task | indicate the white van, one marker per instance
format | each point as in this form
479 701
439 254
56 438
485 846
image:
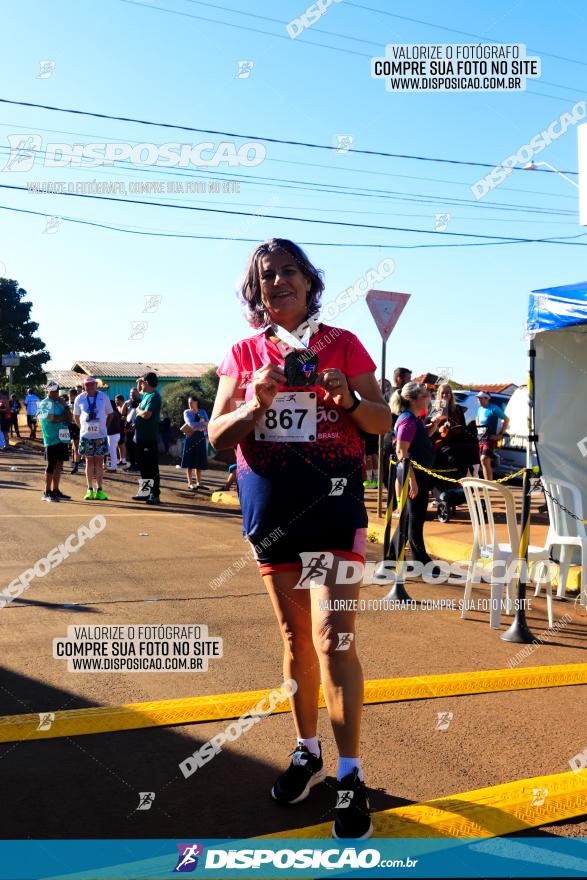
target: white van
468 400
512 452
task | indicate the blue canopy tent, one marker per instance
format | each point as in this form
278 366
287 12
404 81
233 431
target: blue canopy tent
557 319
557 417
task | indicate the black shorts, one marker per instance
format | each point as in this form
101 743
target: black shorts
31 421
54 453
371 444
73 431
282 552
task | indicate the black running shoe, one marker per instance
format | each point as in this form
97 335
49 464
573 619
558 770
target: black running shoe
352 809
304 771
57 493
153 499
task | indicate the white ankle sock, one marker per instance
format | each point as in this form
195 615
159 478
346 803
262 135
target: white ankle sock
311 744
347 765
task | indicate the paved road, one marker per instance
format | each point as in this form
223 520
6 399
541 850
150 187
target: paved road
154 566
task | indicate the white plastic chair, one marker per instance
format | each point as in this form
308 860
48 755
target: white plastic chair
479 495
565 531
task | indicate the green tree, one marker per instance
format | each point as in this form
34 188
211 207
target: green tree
209 386
17 336
175 397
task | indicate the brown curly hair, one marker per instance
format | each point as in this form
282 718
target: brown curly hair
250 290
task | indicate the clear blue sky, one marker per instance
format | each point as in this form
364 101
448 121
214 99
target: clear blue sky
468 303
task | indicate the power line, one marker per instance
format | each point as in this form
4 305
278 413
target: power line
320 30
462 33
371 213
340 167
242 27
122 165
292 219
269 140
563 240
358 192
279 21
325 46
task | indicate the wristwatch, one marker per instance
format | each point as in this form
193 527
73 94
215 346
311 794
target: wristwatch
355 403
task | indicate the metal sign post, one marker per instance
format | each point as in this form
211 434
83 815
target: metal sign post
519 631
386 306
9 361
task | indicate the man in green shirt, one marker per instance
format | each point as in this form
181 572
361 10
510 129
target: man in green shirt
55 418
146 438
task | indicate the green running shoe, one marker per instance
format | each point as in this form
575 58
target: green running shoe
89 496
101 495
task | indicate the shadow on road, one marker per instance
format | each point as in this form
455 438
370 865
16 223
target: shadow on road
88 786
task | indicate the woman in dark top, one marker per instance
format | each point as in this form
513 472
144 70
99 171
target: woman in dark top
114 428
413 441
456 446
15 408
446 405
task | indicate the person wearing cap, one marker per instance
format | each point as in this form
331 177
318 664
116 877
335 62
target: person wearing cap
129 417
146 437
55 418
488 416
92 410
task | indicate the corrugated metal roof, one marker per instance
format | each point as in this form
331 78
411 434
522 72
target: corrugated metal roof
130 369
503 387
65 378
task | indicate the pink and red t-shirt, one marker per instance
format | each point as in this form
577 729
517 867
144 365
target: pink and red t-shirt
308 486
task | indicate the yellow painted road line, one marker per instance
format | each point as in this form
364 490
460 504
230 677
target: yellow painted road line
221 707
483 812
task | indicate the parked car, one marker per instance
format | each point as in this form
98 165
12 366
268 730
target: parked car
510 456
468 400
513 449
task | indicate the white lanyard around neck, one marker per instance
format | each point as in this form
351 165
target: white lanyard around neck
300 338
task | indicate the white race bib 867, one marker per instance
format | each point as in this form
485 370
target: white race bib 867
290 419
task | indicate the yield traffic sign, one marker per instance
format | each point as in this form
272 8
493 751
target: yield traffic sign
386 307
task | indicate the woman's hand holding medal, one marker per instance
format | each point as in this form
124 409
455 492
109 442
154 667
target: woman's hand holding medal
266 383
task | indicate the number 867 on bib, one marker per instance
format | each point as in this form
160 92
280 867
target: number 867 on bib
290 419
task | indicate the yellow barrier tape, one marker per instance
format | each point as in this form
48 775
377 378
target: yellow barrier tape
221 707
483 812
440 475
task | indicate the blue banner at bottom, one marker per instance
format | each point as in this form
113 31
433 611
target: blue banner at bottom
290 858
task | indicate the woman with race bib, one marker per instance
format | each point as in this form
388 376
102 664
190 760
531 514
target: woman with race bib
292 398
92 411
